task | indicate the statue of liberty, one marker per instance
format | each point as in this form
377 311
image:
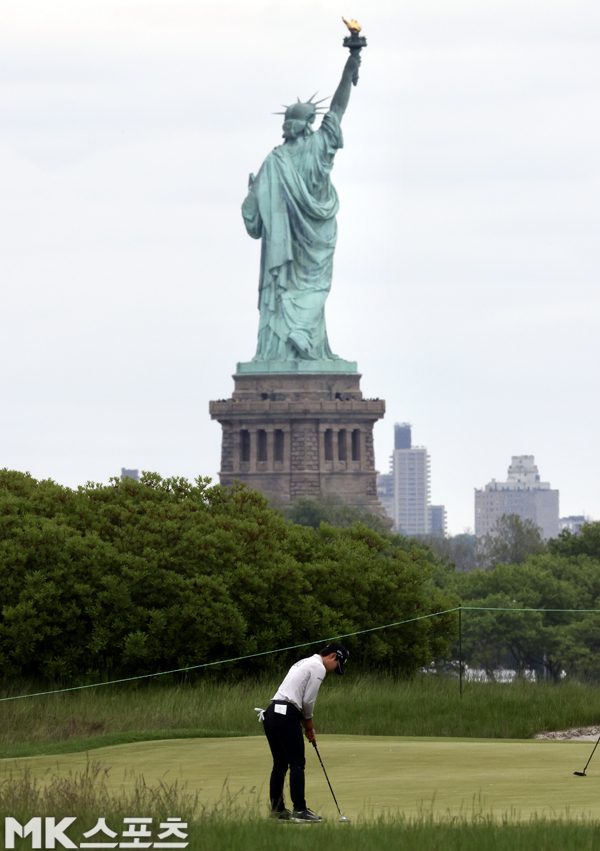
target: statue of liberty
291 206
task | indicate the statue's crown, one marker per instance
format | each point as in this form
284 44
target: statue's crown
303 110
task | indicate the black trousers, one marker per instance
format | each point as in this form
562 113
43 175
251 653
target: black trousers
286 740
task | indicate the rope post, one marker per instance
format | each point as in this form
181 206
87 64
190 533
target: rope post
460 649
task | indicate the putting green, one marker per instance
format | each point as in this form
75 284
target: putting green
370 775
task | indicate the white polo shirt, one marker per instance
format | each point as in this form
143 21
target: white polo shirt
302 683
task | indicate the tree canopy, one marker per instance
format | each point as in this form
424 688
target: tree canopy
334 512
510 542
500 632
458 550
140 577
585 542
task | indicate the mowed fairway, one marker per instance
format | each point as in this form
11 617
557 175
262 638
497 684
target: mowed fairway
371 775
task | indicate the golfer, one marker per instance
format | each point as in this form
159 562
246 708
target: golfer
290 710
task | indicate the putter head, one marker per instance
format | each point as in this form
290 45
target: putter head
344 820
580 773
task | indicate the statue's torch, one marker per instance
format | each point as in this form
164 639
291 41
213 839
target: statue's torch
354 41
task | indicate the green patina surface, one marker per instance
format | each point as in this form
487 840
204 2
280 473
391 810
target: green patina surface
294 367
291 206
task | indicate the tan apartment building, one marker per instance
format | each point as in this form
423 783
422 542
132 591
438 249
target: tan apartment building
523 494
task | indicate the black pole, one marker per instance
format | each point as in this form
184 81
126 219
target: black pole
314 744
582 773
460 648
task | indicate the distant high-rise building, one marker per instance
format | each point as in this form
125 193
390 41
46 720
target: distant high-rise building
385 492
130 474
572 523
523 494
404 491
410 469
402 436
437 520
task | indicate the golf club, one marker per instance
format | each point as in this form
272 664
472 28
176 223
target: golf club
342 817
581 773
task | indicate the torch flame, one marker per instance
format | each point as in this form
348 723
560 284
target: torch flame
352 25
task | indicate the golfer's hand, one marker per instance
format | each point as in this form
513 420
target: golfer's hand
309 730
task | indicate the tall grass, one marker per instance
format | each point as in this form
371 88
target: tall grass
359 705
229 827
395 834
85 795
432 706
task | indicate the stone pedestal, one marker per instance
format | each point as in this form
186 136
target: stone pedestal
301 434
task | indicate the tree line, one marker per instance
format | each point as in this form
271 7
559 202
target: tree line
133 578
520 571
507 572
136 578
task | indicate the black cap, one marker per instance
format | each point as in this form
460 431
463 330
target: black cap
342 654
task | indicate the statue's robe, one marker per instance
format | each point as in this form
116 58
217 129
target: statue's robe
291 206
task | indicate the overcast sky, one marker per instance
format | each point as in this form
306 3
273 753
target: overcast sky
466 273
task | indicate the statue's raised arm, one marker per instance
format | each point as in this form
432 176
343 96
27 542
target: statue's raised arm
339 101
355 43
291 207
